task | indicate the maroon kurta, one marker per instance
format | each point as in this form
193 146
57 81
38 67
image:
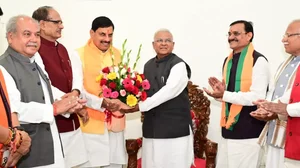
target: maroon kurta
58 66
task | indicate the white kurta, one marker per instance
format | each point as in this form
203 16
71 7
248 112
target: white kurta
103 149
171 152
34 112
258 89
73 142
275 155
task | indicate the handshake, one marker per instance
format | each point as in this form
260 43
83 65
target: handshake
114 105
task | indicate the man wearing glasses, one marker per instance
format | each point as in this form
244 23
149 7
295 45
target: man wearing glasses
283 132
245 79
167 133
54 58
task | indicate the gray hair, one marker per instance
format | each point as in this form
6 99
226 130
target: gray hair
11 26
162 30
41 13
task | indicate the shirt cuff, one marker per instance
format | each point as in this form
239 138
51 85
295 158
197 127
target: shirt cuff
226 96
143 106
48 114
293 109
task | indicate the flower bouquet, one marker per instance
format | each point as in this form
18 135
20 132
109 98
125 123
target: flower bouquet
123 82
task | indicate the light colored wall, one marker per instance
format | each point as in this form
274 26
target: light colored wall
199 28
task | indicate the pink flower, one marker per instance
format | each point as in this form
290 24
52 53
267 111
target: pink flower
106 92
146 84
114 95
127 81
139 94
122 92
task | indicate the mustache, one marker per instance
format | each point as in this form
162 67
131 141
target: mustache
108 42
230 40
31 44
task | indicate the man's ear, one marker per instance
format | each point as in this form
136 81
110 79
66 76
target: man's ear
249 35
9 37
92 33
42 24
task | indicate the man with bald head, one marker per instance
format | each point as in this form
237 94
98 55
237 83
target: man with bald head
167 133
32 94
54 57
282 134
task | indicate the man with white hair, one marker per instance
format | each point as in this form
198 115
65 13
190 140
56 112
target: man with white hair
283 133
32 94
167 134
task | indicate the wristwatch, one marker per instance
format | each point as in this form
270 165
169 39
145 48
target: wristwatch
20 128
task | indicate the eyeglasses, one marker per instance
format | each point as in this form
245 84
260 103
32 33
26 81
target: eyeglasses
57 22
235 33
163 40
287 35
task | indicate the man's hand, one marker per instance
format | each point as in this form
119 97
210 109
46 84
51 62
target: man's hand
278 108
259 102
111 104
83 114
217 86
263 115
74 93
68 104
24 148
127 109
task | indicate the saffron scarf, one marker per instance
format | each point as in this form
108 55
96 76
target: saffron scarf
93 60
243 81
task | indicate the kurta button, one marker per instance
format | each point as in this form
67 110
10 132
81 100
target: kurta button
48 128
43 97
33 69
297 84
39 83
155 77
62 61
153 90
65 70
290 133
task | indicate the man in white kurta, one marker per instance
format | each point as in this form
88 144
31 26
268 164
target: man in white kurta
274 132
21 52
167 133
54 58
105 148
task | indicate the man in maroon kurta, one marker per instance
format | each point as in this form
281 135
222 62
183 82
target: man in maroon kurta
57 64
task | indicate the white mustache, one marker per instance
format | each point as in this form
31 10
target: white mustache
32 45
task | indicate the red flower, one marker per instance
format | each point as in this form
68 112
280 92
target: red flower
129 88
135 91
138 84
112 85
105 70
142 76
103 82
144 96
